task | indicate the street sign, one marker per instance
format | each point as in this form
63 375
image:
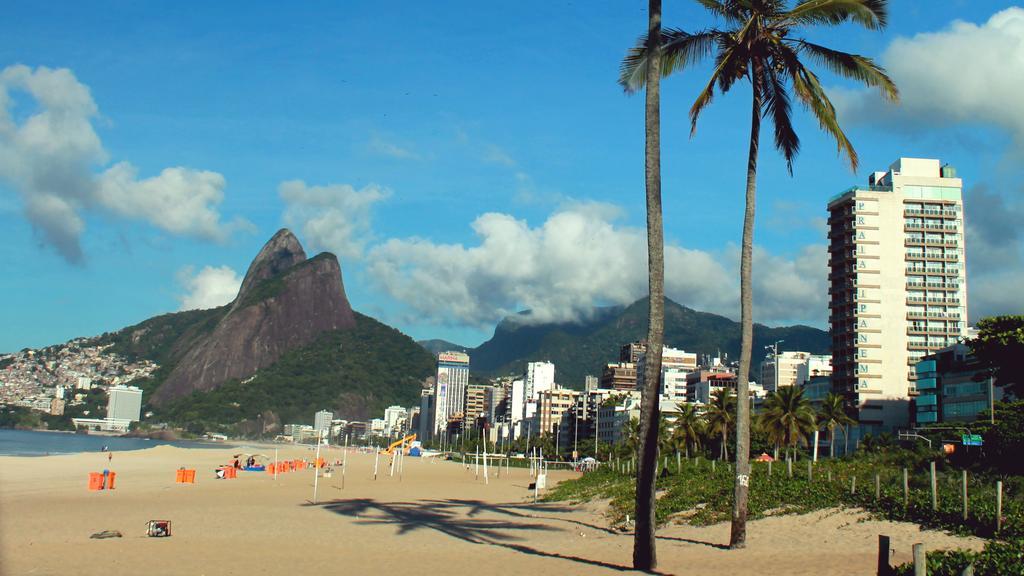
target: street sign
971 439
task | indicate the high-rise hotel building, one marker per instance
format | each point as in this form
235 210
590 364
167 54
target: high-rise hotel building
450 389
897 279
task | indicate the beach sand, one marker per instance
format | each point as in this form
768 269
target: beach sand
438 519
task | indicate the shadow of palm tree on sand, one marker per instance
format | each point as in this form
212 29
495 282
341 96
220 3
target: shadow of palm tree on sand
506 525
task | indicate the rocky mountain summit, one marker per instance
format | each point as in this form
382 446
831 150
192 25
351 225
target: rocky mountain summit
285 302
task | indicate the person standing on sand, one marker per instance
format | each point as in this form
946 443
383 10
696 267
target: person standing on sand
110 456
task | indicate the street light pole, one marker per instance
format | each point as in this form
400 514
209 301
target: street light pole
991 400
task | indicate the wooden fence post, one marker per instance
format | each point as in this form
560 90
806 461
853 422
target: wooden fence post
906 489
965 494
935 489
884 556
810 474
878 487
789 467
853 485
920 561
999 505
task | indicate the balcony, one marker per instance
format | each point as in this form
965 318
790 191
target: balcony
933 271
930 242
930 212
923 226
933 315
940 301
948 331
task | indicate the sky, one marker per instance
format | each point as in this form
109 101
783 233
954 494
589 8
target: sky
464 160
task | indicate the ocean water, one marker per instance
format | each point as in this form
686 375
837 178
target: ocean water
33 443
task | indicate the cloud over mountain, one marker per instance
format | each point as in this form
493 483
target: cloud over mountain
209 288
334 217
50 153
577 259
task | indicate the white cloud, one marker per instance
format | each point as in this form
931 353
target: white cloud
335 217
50 156
381 146
574 261
179 200
496 155
966 73
210 288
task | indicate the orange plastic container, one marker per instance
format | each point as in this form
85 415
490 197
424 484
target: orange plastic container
185 476
95 481
110 480
270 468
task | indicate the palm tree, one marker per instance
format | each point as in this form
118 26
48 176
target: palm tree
689 427
759 46
720 416
644 553
833 414
787 417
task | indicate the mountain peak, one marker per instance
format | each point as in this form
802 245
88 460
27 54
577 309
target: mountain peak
286 302
280 253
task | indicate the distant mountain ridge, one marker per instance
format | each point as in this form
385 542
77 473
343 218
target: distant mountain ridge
436 346
579 349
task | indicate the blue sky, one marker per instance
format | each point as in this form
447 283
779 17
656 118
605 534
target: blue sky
464 160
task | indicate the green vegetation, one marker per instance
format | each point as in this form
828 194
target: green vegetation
158 339
355 372
700 492
997 559
1000 346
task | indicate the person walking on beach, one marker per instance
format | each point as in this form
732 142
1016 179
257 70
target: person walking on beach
110 456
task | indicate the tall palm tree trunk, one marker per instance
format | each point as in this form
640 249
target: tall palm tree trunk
832 443
644 552
738 534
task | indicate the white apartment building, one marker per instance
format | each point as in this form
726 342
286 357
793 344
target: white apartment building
395 417
450 388
792 368
322 421
124 403
675 365
611 421
897 283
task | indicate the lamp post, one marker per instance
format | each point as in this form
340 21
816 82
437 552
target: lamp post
775 359
991 400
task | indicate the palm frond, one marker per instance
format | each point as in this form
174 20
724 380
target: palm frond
730 64
729 10
872 14
679 50
808 88
776 105
851 66
823 110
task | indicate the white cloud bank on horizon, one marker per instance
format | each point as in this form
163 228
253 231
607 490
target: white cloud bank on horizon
209 288
576 260
335 217
50 156
967 73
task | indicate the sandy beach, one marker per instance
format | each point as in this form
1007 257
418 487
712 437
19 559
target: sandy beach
437 517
